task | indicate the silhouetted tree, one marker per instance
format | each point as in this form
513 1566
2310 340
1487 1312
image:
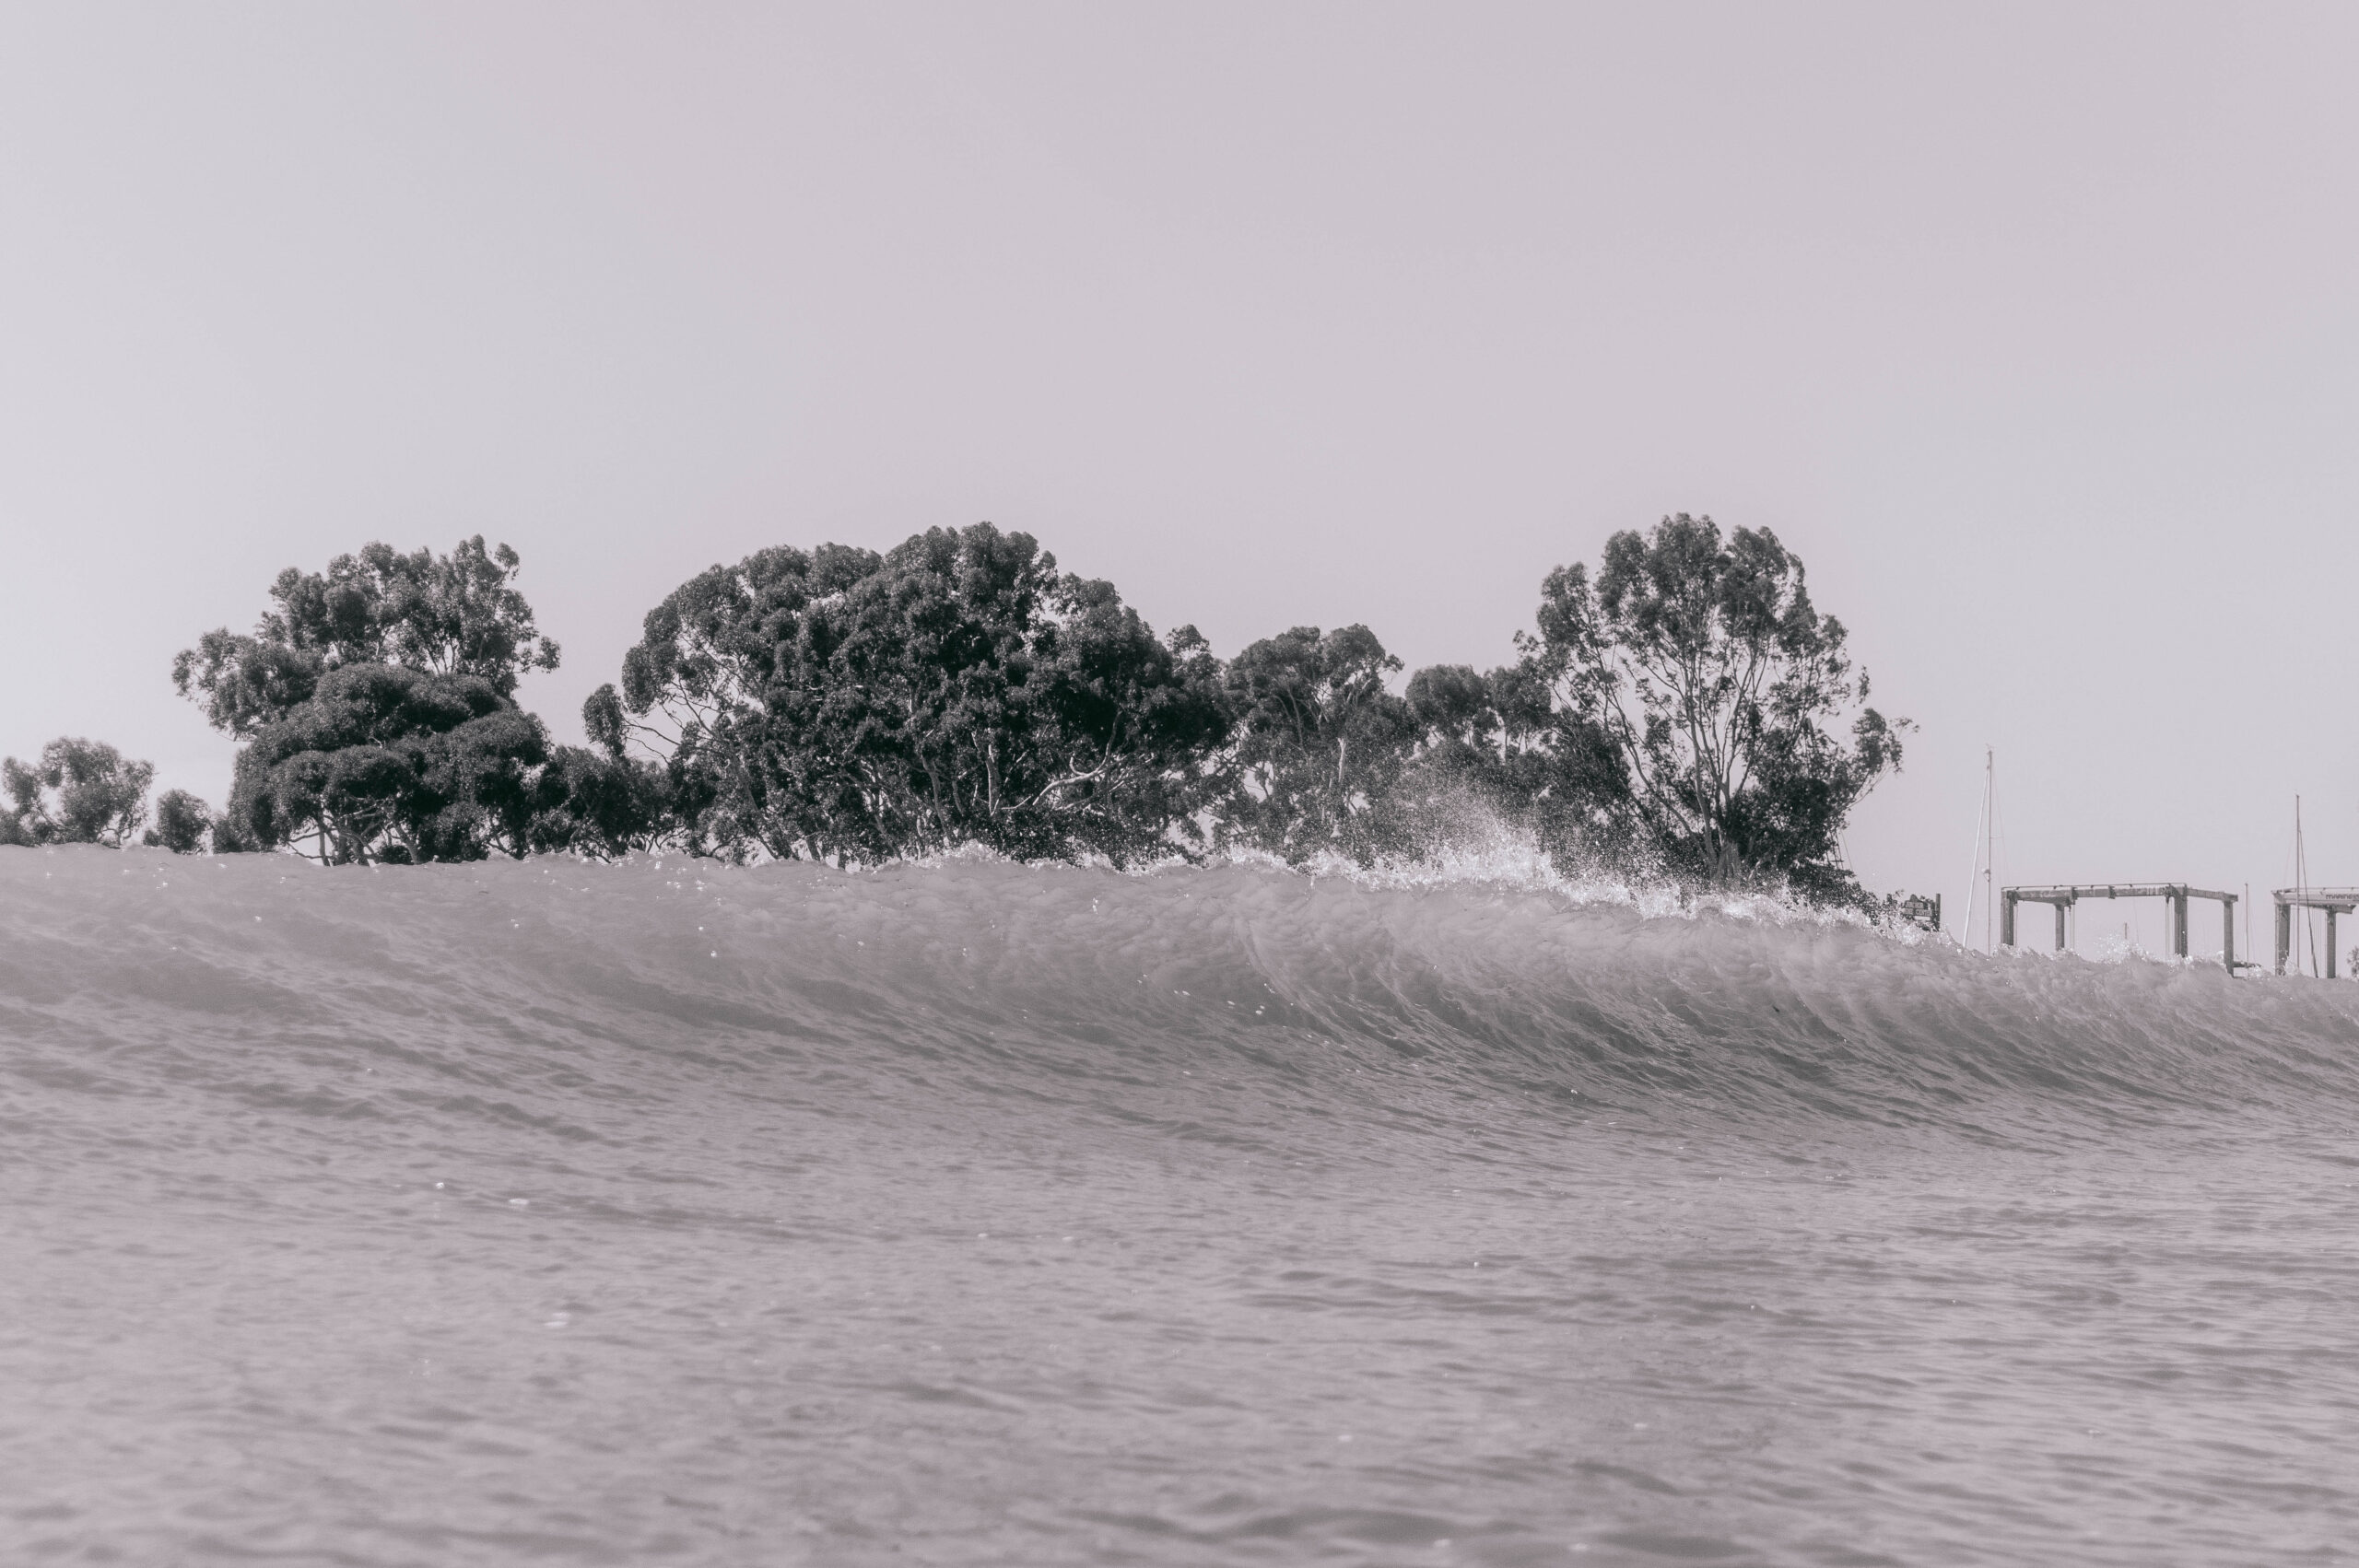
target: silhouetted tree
376 703
183 822
455 615
1492 744
842 705
80 791
1320 746
601 803
389 764
1716 685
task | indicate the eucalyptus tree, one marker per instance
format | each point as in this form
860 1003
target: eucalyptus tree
77 791
457 614
1723 692
1320 743
601 802
376 700
844 706
1493 745
184 823
386 763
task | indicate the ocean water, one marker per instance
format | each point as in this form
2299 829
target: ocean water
563 1213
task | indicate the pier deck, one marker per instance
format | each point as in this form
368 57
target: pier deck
2063 896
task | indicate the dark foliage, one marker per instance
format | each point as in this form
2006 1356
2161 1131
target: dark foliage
376 700
1494 747
1319 747
455 615
389 764
183 822
852 708
230 837
1716 684
1682 710
80 791
600 803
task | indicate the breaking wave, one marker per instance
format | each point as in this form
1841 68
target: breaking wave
1471 978
558 1211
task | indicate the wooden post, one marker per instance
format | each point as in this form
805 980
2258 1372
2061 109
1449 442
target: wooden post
2228 934
2060 925
2178 924
2007 919
2284 933
2329 942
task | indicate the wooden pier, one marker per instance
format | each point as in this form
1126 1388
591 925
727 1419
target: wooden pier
2179 893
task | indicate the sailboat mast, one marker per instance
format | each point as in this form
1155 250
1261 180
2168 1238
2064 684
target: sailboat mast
1974 870
2302 884
1990 841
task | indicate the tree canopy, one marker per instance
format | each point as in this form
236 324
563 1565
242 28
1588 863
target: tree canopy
848 707
376 702
1687 708
1496 746
455 615
1718 686
78 791
184 823
1320 743
1682 710
385 762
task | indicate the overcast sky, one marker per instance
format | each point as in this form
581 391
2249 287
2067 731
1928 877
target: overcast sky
2034 331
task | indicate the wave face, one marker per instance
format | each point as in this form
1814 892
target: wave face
967 1212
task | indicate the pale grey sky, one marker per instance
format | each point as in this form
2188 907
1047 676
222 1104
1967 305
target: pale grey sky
2035 330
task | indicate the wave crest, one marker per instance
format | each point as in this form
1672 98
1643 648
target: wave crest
1481 997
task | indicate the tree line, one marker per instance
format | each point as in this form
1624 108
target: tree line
1685 708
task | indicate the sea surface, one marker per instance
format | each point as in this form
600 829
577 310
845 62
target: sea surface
554 1213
